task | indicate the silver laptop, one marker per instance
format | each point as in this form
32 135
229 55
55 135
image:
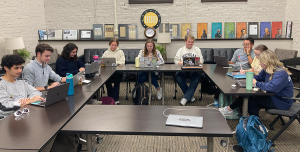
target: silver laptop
185 121
77 78
94 67
108 61
54 95
222 61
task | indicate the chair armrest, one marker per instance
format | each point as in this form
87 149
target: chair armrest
291 61
296 88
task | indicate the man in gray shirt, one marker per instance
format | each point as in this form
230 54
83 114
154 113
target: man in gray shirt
243 58
15 93
38 72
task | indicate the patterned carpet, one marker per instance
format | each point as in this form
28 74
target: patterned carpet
287 142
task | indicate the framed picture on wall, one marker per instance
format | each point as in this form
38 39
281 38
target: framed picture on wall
289 25
98 31
43 35
85 34
175 30
123 31
202 30
185 29
253 29
109 31
54 34
69 34
132 31
164 28
216 30
229 30
241 30
276 29
265 31
149 1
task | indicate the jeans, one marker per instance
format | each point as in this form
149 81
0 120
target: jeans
255 103
114 92
188 90
145 75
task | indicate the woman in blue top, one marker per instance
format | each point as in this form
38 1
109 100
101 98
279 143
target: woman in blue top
68 62
150 51
273 78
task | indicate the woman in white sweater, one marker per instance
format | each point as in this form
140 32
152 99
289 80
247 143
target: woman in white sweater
114 51
150 51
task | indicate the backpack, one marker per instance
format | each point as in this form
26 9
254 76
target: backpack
107 101
140 94
207 86
252 135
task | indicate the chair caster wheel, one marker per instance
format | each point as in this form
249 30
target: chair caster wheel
94 149
174 97
99 140
223 143
129 91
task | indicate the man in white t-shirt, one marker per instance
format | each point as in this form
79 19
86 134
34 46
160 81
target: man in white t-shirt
189 50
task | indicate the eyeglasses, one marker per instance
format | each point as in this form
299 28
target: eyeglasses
245 44
21 112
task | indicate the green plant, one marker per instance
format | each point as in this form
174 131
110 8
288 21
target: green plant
24 53
160 49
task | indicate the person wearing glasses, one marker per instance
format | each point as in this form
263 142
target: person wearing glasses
243 58
256 68
68 62
15 93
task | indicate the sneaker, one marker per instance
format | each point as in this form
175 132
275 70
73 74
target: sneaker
226 112
117 102
159 94
183 101
193 99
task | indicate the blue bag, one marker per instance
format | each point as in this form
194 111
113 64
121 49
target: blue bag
252 135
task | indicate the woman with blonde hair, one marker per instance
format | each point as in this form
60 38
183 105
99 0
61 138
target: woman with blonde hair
255 67
150 51
273 78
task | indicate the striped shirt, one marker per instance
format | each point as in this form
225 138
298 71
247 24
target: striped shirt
37 75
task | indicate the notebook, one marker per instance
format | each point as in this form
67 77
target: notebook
237 75
54 95
148 62
185 121
108 61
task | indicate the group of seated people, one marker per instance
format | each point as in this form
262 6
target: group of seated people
270 75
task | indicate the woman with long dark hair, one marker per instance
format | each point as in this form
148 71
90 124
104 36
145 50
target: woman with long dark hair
68 62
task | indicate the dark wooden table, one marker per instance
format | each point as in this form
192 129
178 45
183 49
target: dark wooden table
218 75
162 68
145 120
36 129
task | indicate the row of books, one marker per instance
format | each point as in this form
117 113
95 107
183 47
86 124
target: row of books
99 31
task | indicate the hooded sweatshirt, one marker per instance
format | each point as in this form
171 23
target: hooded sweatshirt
118 54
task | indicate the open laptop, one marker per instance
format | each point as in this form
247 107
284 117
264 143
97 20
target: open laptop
222 61
242 84
108 61
185 121
77 78
148 62
54 95
191 61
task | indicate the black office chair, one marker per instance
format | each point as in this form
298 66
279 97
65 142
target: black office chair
293 113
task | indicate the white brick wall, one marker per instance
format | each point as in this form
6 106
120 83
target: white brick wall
21 18
82 14
292 14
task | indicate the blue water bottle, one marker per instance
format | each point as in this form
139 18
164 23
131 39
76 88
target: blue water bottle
69 79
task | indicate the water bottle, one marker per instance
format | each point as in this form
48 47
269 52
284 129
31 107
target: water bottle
69 78
216 103
95 57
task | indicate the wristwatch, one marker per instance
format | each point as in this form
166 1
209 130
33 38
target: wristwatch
46 88
248 54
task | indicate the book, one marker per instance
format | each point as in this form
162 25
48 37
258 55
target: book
237 75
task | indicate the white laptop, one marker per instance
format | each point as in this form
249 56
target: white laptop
108 61
185 121
77 78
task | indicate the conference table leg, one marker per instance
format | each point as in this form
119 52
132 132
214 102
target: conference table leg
163 87
245 106
149 88
89 142
210 144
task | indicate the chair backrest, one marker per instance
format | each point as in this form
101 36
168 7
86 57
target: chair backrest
227 52
285 54
89 53
208 55
130 55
